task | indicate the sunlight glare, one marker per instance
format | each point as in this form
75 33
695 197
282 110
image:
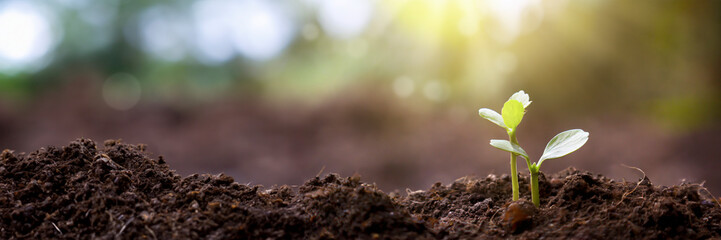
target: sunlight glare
510 15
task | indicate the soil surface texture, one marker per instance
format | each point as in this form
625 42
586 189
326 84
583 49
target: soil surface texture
115 191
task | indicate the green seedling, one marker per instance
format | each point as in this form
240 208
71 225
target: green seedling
561 145
509 119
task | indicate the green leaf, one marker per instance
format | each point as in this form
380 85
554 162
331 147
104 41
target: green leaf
521 97
563 144
512 114
507 146
492 116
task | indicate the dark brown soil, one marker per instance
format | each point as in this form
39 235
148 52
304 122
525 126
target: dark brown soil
117 192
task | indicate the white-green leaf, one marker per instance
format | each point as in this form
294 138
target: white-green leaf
563 144
492 116
507 146
512 113
521 97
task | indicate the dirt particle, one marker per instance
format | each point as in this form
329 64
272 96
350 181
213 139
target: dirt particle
146 216
482 206
193 194
213 206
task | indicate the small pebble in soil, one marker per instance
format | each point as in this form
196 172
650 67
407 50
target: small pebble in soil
518 216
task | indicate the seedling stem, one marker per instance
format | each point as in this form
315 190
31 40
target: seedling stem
535 195
514 171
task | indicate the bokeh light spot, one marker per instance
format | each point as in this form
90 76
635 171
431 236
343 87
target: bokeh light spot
435 91
25 35
261 30
344 19
121 91
403 86
213 31
162 33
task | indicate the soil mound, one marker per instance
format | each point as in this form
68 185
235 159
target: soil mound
82 191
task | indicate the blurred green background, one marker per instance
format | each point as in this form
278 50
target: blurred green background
272 92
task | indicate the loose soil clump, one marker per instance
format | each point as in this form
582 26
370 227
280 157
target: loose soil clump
116 191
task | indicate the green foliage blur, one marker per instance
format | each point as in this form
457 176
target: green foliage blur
658 59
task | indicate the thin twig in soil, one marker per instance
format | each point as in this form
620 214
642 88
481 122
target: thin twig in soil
124 226
151 232
494 214
709 193
321 171
57 228
110 216
637 184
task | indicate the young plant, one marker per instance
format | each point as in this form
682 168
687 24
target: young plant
561 145
509 119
